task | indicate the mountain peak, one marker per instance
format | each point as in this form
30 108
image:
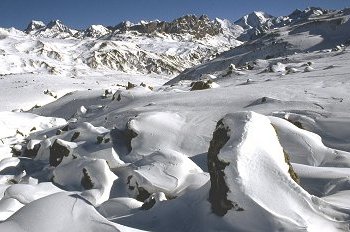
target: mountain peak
253 20
310 11
56 24
34 25
96 31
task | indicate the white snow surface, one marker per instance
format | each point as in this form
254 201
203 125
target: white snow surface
107 155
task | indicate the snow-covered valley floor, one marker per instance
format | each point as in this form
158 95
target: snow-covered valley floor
156 142
261 146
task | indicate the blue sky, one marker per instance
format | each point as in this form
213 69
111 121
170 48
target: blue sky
82 13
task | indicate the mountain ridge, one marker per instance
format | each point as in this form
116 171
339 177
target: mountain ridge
146 47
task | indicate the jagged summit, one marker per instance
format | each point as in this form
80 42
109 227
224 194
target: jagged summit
54 29
96 31
308 12
57 24
34 25
198 26
169 47
253 20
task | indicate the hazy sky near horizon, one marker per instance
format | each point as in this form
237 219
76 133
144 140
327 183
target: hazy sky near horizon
80 14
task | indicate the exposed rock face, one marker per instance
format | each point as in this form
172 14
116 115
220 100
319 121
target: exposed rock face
129 134
75 136
32 152
34 25
57 152
153 199
308 12
86 181
291 171
218 191
200 85
54 29
191 24
241 139
253 20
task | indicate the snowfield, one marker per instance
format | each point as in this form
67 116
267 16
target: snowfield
253 138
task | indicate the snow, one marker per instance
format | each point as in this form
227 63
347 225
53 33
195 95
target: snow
259 172
108 155
253 20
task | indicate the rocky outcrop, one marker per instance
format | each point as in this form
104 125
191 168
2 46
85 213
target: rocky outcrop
57 152
244 149
200 85
218 191
54 29
34 25
188 24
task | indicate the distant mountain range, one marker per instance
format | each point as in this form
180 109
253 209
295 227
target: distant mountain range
158 47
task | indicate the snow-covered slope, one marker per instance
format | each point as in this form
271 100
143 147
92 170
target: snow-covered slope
148 47
315 33
225 146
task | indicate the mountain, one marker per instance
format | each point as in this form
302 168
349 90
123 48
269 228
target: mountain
199 27
253 20
146 47
94 31
34 26
307 13
307 33
54 29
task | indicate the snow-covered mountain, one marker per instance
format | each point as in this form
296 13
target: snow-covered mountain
254 139
146 47
314 32
158 47
253 20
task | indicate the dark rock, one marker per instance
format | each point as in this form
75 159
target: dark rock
86 181
199 27
31 153
15 152
34 25
143 194
65 128
218 190
200 85
130 85
298 124
75 136
99 139
129 134
57 152
291 171
148 204
20 133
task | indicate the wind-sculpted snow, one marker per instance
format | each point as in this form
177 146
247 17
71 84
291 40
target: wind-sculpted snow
256 139
258 182
90 176
58 212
